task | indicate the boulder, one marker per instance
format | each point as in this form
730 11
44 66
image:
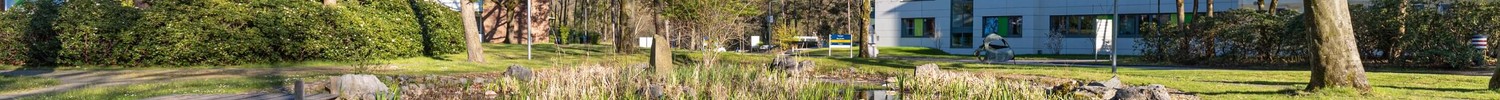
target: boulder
654 92
520 73
356 87
1111 83
1153 92
1098 92
782 62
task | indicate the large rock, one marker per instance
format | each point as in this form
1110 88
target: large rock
791 65
1152 92
520 73
1097 92
356 87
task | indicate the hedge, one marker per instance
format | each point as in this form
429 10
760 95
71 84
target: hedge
224 32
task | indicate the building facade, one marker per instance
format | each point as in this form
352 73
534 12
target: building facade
958 26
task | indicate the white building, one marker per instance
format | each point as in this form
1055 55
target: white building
957 26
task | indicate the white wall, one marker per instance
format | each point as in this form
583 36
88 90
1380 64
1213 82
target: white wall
1035 16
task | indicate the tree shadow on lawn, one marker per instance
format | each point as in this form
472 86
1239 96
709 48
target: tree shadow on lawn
1277 92
1275 83
880 62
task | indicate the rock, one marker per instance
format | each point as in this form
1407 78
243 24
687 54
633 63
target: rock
356 87
1153 92
1099 92
652 91
518 72
1111 83
782 62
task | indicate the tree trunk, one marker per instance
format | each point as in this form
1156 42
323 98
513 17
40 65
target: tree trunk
1495 80
623 43
1181 13
864 31
1260 4
661 50
1210 8
471 31
336 2
1337 57
1195 7
1273 8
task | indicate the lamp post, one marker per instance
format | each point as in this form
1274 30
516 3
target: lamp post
1113 60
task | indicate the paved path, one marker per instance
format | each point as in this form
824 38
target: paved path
78 79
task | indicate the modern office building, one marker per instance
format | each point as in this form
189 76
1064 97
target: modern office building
958 26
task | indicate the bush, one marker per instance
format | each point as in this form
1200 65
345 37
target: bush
1244 37
224 32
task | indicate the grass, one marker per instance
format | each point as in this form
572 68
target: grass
20 83
1206 83
153 89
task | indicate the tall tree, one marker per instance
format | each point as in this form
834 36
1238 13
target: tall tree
623 43
864 31
1337 57
471 31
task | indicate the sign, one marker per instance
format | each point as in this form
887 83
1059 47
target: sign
840 41
1104 35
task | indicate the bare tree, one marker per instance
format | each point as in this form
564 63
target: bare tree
1337 57
471 31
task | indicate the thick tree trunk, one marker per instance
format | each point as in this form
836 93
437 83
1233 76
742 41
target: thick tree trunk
623 43
471 31
1495 80
1337 58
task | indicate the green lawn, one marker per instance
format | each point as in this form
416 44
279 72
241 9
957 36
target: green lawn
1206 83
19 83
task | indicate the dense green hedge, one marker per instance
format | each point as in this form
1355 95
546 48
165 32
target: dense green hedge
1246 37
221 32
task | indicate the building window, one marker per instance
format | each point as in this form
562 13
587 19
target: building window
961 40
916 27
1003 26
1077 25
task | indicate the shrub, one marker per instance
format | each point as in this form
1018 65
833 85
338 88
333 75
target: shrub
224 32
